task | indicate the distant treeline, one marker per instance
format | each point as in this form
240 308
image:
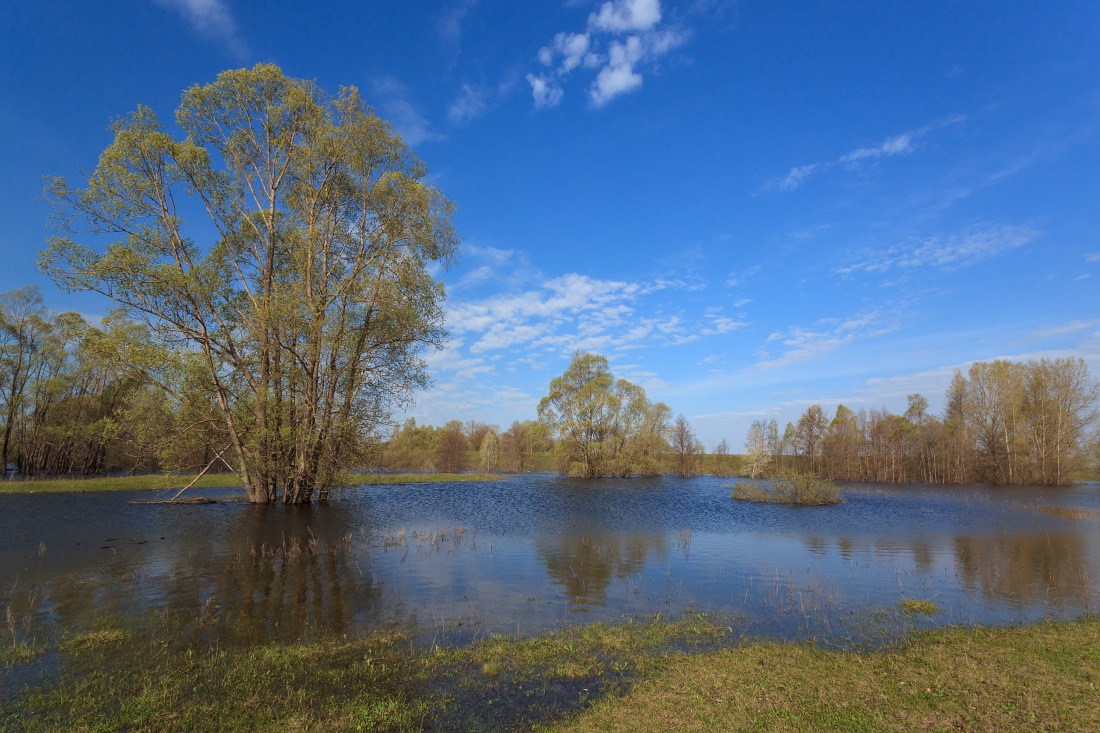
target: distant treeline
1004 423
458 446
72 406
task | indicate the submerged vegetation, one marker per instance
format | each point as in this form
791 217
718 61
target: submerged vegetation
918 605
695 673
790 488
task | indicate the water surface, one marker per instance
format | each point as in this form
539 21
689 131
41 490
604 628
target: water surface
460 560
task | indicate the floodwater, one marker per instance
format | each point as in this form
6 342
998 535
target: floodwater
456 561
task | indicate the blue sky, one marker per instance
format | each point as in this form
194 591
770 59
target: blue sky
747 207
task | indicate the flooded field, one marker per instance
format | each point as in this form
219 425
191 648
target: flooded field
460 561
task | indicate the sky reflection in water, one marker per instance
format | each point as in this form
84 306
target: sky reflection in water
460 560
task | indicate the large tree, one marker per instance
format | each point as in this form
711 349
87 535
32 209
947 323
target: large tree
294 315
605 427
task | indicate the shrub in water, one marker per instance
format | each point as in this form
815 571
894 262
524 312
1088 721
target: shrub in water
792 488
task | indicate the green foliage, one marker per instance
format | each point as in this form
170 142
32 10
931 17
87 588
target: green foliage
604 427
300 325
790 488
916 605
489 453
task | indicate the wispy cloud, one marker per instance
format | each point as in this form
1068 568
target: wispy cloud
901 144
449 24
622 39
802 344
403 114
573 311
211 19
474 100
503 267
969 247
739 278
1064 328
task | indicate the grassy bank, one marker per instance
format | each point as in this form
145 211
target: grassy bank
640 675
169 482
1040 677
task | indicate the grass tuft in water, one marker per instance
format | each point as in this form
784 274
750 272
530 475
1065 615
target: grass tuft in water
102 638
915 605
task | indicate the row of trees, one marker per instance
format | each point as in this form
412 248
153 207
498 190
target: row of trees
1004 423
70 404
449 448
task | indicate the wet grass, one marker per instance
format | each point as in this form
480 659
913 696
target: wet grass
1040 677
117 483
115 680
916 605
690 673
165 482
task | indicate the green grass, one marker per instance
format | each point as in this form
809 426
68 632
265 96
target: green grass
164 482
1040 677
117 483
111 680
914 605
688 674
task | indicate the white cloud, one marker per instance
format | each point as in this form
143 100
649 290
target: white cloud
575 311
545 90
211 18
897 145
636 41
1092 257
719 324
621 16
902 144
947 251
573 48
618 77
795 178
1063 329
803 344
450 359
